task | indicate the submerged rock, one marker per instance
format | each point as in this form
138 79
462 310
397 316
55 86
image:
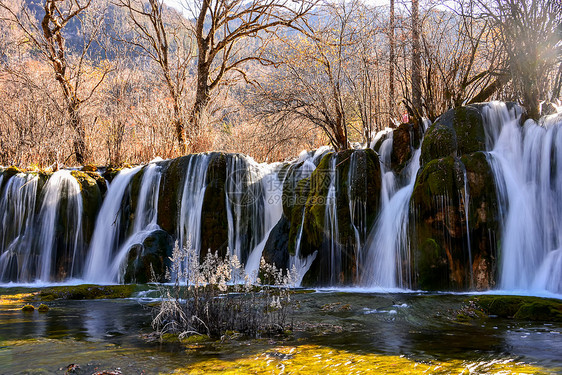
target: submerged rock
28 308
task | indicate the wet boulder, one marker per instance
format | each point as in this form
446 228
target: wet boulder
91 201
171 185
457 132
152 255
455 229
214 216
276 250
337 204
401 147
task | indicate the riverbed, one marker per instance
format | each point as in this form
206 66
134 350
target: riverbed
333 331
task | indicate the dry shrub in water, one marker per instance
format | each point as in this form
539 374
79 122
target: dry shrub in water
217 296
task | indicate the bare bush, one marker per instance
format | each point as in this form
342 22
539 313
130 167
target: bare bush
216 296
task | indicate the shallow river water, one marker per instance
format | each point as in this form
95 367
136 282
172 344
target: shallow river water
334 332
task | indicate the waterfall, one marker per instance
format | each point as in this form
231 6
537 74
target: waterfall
357 213
296 262
527 164
388 242
17 216
107 232
47 222
331 225
272 195
62 201
193 193
253 203
144 224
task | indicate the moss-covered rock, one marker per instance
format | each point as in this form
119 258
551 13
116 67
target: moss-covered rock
7 174
91 201
432 265
291 175
86 291
455 210
89 168
440 141
110 173
149 258
522 308
28 308
276 250
102 183
43 308
354 203
457 132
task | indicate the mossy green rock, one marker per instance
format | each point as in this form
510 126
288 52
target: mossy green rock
441 212
91 201
457 132
7 174
89 168
43 308
432 265
522 308
110 173
291 175
28 308
355 175
440 141
86 291
171 189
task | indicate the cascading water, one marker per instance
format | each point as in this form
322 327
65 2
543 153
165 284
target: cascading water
61 201
272 191
194 187
144 224
107 234
388 242
253 205
42 224
17 210
331 225
297 263
527 164
357 213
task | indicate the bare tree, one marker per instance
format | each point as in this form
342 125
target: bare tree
330 76
162 34
416 58
48 36
220 28
392 59
530 35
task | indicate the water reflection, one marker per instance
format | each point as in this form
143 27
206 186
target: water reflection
415 326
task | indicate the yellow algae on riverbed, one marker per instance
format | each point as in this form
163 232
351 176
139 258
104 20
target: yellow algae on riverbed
312 359
16 300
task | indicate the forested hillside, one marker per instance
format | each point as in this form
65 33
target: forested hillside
112 82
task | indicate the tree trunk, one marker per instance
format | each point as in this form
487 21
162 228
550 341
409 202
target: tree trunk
392 61
79 133
180 127
416 58
199 107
